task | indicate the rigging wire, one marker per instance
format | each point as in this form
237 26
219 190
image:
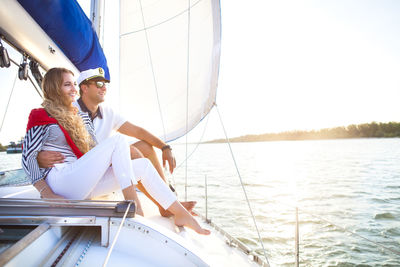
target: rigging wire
187 95
152 70
34 86
241 183
8 103
18 65
197 145
103 19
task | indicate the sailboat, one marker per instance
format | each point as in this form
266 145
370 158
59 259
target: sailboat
14 148
182 37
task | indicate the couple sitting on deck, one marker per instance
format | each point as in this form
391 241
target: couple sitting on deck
68 150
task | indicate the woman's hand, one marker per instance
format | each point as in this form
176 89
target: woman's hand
45 190
50 195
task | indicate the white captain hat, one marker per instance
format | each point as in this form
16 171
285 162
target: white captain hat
90 74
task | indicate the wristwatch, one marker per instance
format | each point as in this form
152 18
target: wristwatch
166 147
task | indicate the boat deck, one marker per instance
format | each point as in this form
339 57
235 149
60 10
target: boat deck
151 240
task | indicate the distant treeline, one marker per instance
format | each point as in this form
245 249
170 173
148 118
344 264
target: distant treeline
2 148
366 130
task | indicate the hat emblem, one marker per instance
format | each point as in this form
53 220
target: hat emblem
101 71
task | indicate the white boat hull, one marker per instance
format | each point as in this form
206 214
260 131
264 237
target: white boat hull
143 241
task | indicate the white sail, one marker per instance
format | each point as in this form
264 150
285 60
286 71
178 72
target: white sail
169 58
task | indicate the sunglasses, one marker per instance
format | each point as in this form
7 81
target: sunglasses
99 84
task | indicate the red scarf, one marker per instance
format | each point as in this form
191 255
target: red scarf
39 116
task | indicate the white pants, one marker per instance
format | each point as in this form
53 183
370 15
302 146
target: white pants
91 175
147 174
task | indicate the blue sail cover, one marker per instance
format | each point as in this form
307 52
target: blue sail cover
68 26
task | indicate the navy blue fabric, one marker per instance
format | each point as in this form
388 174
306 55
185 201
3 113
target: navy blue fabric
67 25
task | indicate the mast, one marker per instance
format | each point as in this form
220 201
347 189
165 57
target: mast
96 17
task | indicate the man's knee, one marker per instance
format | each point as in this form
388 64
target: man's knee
135 153
145 148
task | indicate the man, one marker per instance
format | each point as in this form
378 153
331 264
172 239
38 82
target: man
92 88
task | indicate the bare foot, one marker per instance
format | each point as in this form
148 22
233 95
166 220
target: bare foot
188 221
188 205
139 211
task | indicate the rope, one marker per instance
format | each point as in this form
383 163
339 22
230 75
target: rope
241 183
12 90
85 250
152 70
59 257
9 98
116 235
30 79
187 95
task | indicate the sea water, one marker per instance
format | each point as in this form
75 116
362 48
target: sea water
347 193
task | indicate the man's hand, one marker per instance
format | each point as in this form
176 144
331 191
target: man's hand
47 159
168 156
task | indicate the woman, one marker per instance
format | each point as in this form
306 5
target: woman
86 170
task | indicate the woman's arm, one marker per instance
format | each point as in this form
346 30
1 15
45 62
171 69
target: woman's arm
33 143
45 190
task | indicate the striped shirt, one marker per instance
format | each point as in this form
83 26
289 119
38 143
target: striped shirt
48 137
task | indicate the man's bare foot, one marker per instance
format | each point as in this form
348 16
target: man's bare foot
188 221
183 218
188 205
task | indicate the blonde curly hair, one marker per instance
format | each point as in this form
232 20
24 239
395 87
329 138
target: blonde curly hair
57 105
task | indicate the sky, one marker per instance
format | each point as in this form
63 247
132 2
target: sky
308 64
285 65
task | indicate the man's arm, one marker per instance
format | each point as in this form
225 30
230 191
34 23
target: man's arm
142 134
47 159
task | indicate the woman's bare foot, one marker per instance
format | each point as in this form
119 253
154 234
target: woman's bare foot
188 205
130 194
139 209
183 218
